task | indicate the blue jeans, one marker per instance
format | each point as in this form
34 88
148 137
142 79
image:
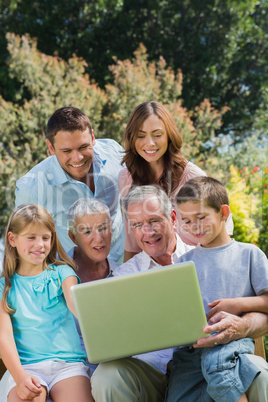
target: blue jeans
222 373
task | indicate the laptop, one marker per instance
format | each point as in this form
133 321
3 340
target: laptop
141 312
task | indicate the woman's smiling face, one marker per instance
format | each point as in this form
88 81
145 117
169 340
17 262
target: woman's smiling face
152 139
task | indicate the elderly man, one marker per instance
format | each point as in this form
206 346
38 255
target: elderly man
80 167
143 377
152 220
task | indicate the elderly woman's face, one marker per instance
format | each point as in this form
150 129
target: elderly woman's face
93 235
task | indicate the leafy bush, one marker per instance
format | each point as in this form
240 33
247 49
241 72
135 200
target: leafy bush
243 206
48 82
256 187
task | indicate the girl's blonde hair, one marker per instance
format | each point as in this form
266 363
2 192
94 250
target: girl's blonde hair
21 217
174 162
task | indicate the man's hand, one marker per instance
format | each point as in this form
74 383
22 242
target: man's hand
227 328
28 387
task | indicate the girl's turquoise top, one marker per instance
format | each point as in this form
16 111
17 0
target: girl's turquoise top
43 326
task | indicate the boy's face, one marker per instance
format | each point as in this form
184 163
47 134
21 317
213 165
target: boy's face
204 223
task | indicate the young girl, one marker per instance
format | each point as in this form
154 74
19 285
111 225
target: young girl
152 145
39 343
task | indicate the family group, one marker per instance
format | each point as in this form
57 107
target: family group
95 209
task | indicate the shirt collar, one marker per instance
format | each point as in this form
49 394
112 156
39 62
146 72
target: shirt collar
98 162
180 249
59 174
112 266
151 263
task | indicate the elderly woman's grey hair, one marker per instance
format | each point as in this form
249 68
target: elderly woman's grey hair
141 194
86 206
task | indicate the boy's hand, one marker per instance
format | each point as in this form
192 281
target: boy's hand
232 306
28 387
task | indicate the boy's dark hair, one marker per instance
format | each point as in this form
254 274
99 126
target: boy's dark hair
204 189
67 119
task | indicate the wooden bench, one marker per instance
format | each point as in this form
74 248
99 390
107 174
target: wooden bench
259 348
2 368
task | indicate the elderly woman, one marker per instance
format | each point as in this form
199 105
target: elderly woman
90 228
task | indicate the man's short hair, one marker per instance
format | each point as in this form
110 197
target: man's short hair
140 194
67 119
86 206
204 189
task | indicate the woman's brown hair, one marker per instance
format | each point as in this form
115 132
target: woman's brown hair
174 162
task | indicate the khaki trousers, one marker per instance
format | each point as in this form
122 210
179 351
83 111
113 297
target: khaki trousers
128 380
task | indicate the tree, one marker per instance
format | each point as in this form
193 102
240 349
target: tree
220 46
61 27
48 82
137 80
243 205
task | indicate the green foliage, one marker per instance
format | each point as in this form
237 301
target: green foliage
48 82
256 180
248 194
243 206
136 81
265 338
139 80
220 46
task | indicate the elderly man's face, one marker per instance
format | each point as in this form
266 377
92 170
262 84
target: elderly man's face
153 231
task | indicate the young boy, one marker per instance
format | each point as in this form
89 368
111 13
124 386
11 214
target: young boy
231 275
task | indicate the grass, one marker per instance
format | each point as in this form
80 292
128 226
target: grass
266 345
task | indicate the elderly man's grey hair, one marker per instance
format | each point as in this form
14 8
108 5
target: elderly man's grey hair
141 194
86 206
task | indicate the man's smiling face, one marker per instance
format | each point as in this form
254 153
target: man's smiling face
74 151
153 231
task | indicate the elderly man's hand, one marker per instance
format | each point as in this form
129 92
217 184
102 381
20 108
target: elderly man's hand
225 327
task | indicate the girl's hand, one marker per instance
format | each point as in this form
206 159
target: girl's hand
28 387
232 306
66 288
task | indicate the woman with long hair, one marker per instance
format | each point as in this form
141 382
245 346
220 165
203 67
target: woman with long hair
152 144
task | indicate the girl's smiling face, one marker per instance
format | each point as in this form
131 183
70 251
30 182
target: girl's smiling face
33 246
152 139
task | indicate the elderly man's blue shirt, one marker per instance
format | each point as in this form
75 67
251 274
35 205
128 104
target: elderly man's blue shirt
47 184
